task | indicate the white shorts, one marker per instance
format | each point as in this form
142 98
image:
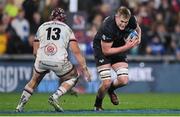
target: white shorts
59 68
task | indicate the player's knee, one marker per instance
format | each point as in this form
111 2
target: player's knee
124 80
106 84
75 73
72 81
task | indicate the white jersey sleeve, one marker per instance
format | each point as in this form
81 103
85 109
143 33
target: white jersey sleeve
72 37
54 37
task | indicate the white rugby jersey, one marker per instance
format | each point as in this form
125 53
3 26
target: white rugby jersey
54 37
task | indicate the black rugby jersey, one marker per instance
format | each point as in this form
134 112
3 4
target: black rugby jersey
109 32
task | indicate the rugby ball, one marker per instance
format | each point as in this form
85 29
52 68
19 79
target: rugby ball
132 35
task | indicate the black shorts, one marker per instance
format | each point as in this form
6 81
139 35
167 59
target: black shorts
101 59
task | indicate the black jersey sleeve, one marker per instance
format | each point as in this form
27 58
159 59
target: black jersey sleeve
107 31
107 35
132 22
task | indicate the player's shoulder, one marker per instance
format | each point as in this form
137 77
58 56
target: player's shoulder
42 25
57 23
108 23
108 20
133 19
132 22
63 25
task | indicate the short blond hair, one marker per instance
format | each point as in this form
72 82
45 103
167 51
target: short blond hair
124 11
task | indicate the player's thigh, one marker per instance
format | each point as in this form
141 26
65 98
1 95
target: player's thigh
36 79
70 78
121 69
100 58
118 65
69 75
103 64
38 74
104 71
41 67
67 71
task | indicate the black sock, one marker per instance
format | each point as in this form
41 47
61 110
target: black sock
111 88
98 102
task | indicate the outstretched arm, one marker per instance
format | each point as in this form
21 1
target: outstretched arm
80 59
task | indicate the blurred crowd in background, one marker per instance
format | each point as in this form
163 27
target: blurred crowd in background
158 19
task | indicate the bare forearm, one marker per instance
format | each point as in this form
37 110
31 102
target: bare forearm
81 61
83 66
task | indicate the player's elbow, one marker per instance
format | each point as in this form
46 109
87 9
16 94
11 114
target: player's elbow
106 53
34 53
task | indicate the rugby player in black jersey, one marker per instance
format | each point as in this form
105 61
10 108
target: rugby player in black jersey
110 50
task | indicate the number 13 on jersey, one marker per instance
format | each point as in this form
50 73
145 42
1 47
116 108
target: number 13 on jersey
55 35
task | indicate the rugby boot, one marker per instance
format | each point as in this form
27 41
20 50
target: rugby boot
98 108
53 102
113 97
19 108
98 104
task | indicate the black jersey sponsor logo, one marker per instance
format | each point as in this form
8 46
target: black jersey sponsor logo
101 60
104 37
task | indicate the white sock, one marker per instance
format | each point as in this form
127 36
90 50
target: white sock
61 90
24 97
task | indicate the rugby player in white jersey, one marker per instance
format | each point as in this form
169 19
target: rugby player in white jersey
50 46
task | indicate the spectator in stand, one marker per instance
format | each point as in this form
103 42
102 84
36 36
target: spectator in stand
164 37
11 9
155 47
97 20
2 3
33 27
21 26
22 29
36 22
3 36
30 7
49 6
13 41
176 39
154 16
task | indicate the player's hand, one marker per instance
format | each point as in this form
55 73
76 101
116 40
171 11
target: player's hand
87 75
136 38
131 43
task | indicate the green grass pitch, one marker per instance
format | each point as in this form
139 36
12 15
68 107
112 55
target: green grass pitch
82 105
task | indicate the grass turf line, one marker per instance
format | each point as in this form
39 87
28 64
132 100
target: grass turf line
143 103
